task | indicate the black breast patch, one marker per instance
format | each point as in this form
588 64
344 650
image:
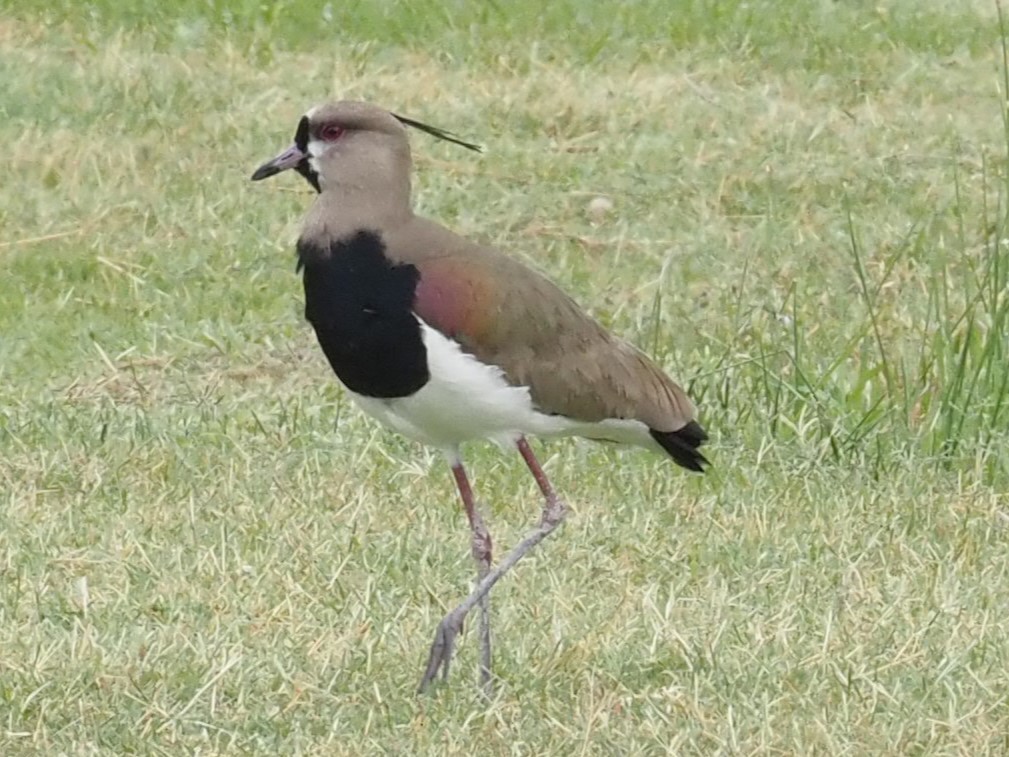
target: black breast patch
361 306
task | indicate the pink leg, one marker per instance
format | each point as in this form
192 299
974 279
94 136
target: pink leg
554 507
554 511
481 547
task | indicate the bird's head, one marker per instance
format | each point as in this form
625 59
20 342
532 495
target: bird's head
353 144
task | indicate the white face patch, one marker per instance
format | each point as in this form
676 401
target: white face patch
316 148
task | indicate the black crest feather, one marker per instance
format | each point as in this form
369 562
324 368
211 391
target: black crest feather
434 131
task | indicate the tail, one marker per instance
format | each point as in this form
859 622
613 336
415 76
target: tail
682 445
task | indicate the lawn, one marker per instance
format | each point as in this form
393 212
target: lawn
205 548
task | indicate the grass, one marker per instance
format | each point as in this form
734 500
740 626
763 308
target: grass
205 547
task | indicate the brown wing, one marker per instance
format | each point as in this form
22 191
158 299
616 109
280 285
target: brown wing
509 315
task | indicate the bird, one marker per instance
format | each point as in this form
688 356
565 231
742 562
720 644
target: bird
449 341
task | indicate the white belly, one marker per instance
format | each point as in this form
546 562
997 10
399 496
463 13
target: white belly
466 399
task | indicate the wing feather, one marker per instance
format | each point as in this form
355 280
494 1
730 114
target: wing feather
509 315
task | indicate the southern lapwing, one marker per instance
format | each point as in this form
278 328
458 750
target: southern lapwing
449 341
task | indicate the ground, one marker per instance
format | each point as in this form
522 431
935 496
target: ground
799 211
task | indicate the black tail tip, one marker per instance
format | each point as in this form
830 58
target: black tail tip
682 445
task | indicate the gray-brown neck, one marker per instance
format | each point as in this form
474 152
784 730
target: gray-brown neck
365 184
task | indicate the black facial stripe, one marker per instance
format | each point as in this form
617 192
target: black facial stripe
301 135
306 170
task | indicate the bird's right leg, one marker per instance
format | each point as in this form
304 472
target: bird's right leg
554 511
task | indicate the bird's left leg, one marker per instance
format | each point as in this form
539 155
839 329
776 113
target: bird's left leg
481 547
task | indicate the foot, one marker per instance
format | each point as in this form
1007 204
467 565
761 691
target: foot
442 647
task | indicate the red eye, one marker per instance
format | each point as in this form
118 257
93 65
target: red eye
331 132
